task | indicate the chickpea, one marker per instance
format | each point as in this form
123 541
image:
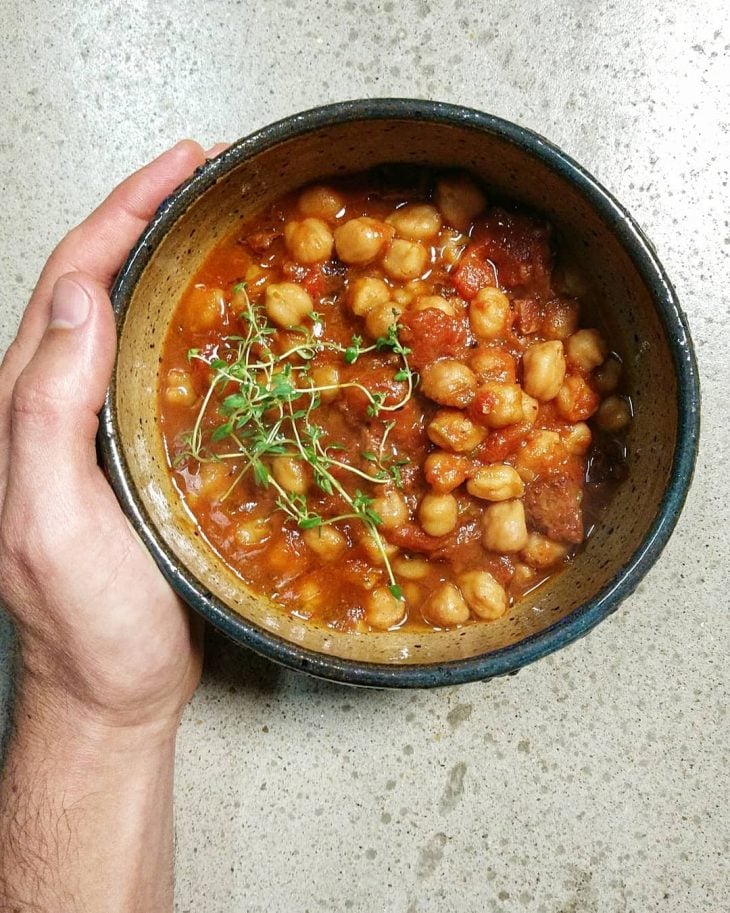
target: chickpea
308 241
561 318
383 610
179 390
498 405
459 200
284 559
498 482
369 543
448 382
310 594
541 451
212 481
530 408
326 542
445 471
415 221
438 514
290 474
576 400
613 414
392 509
414 568
359 241
453 431
366 293
418 288
256 278
369 578
239 298
544 369
494 364
381 318
326 376
405 260
541 552
446 606
586 350
409 292
321 202
204 308
578 439
252 531
606 377
523 576
438 302
504 528
489 314
484 595
452 245
287 304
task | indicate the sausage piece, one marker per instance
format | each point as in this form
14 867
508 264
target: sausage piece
553 506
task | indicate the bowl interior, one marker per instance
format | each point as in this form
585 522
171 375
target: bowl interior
613 288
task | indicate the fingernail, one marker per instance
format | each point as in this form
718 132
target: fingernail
70 305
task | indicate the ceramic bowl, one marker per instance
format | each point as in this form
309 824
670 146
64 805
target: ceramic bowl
637 307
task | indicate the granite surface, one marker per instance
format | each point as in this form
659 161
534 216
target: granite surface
597 780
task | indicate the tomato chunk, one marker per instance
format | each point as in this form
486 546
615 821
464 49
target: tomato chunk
356 405
502 445
261 241
519 247
315 283
475 271
430 335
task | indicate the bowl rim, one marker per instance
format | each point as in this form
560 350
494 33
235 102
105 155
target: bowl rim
506 660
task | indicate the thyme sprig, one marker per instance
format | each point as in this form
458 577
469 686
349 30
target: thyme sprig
268 404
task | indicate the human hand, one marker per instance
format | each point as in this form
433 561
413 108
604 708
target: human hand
99 628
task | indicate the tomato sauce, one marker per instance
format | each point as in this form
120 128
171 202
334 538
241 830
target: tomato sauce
351 418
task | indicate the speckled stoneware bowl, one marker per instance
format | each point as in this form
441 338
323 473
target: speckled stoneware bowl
637 306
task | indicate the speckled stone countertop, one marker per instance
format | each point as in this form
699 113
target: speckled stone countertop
597 780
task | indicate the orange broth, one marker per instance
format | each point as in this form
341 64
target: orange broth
377 437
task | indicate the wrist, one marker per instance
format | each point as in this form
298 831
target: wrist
85 807
106 695
48 712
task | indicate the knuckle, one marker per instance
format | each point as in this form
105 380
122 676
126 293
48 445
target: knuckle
8 544
62 258
35 396
11 356
29 548
15 562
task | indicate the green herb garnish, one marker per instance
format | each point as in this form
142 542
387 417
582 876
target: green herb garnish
268 411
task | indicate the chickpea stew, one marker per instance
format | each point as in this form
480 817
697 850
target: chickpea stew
381 409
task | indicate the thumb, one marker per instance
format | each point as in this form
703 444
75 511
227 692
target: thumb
59 393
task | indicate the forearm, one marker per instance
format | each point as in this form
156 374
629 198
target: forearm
85 813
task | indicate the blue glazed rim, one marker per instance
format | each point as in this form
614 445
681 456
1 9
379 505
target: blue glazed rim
507 659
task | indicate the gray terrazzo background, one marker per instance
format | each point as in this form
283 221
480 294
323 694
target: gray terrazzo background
596 781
